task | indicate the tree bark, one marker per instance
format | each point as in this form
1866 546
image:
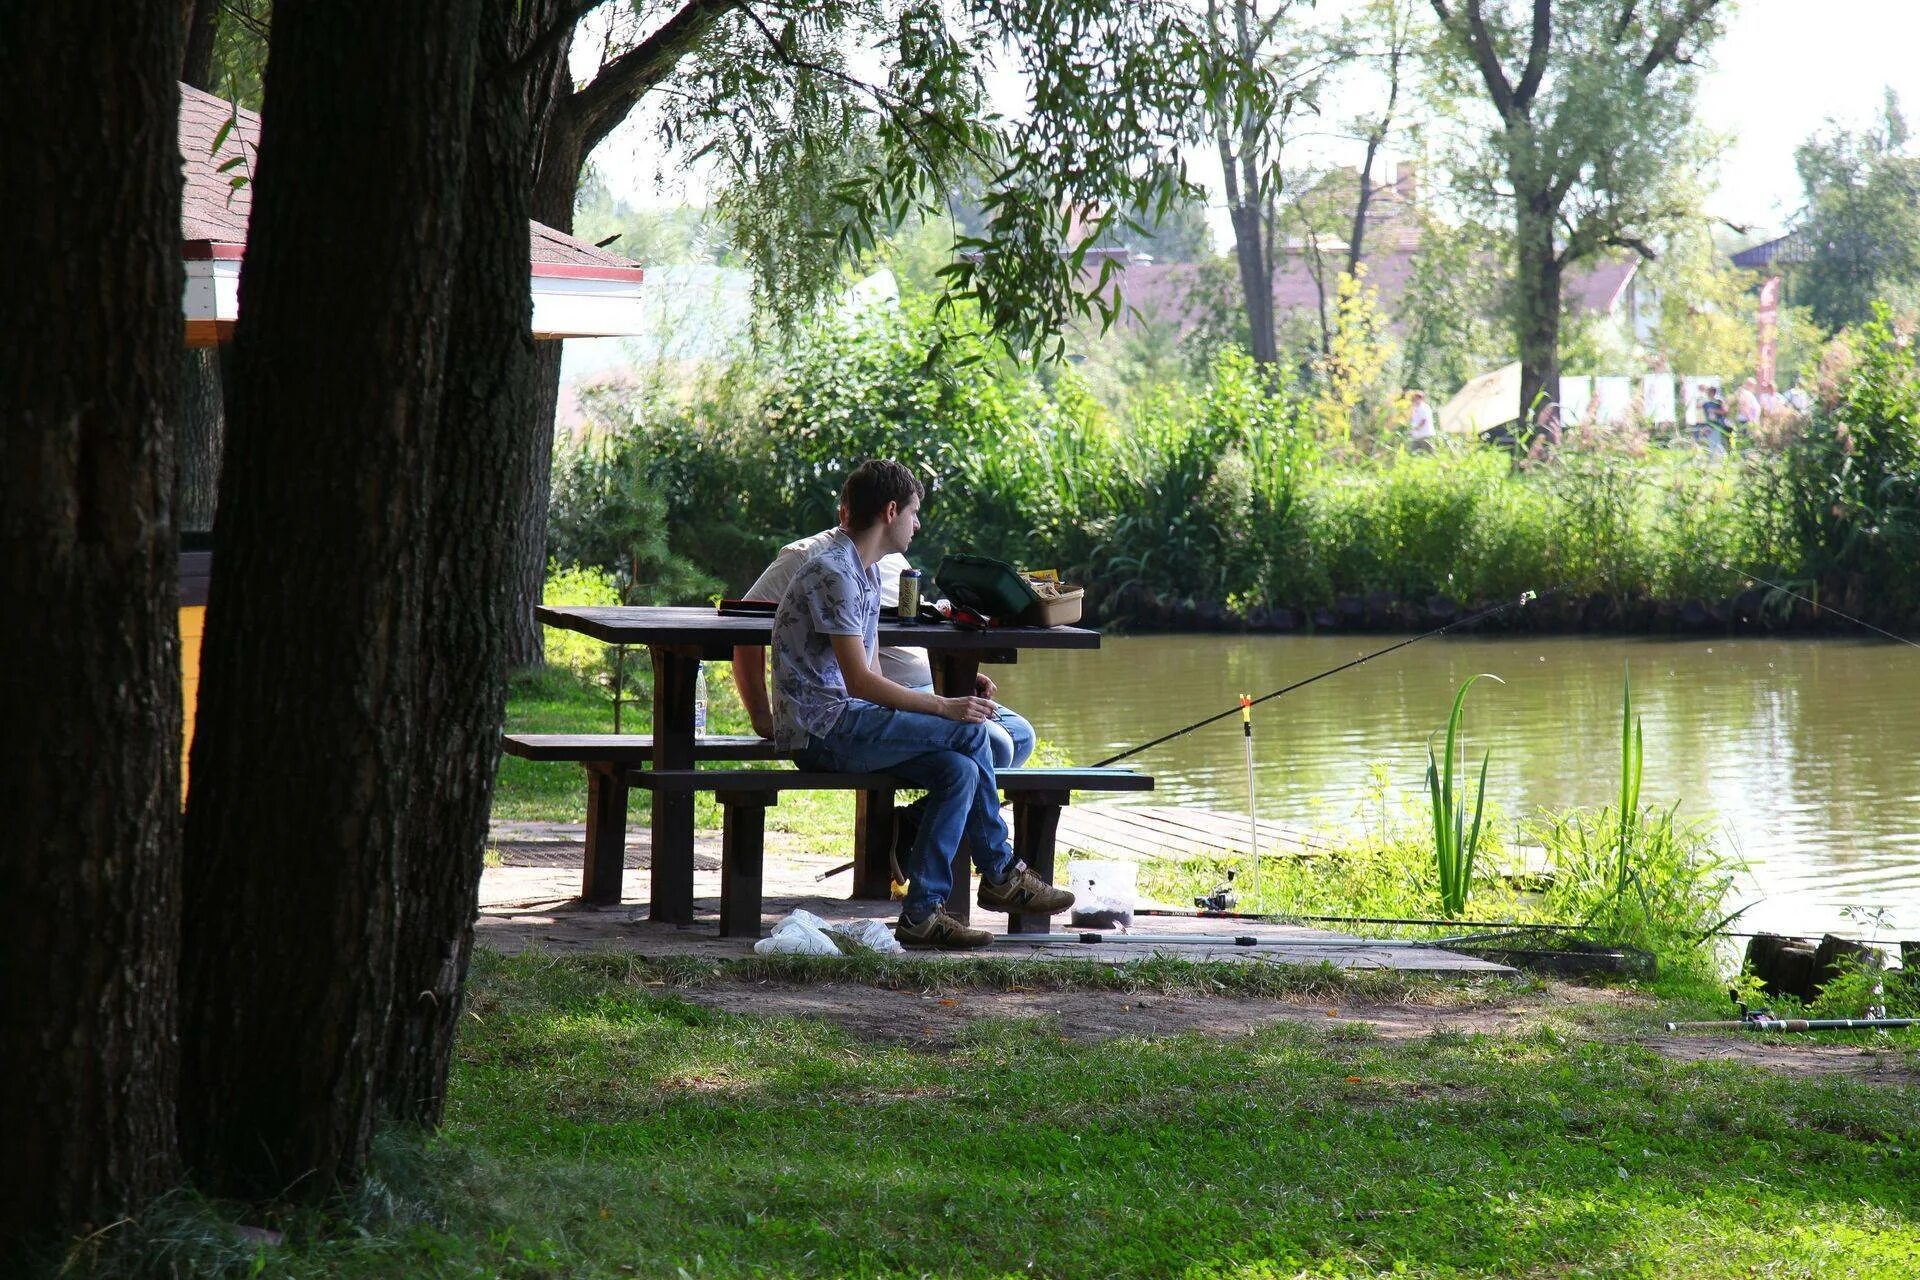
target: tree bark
560 150
199 438
579 121
89 650
474 531
1536 311
203 31
305 733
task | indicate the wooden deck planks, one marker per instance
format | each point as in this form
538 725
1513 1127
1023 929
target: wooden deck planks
1165 831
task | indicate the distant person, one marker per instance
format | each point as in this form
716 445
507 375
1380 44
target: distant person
1798 400
1713 422
1420 430
1746 404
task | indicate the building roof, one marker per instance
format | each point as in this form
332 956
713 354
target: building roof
1167 291
1786 248
579 290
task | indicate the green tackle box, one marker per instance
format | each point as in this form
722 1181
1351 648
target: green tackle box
996 589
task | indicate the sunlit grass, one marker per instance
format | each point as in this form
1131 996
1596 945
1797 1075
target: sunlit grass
603 1127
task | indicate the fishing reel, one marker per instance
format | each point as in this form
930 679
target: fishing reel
1222 898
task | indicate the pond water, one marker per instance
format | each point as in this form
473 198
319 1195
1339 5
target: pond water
1804 754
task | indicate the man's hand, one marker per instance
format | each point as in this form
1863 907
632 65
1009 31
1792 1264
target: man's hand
967 710
984 686
763 724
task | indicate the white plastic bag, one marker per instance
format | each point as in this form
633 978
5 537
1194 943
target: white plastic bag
874 935
798 934
802 933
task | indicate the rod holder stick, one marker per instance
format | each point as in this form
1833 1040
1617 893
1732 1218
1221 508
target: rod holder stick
1253 821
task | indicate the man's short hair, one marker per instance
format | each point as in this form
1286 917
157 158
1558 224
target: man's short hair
873 484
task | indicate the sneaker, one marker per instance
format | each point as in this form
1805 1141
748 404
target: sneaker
939 932
1023 893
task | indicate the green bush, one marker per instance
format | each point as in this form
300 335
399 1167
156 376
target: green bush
1212 488
1854 480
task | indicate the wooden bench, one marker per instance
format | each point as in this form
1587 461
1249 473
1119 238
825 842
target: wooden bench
608 759
1037 796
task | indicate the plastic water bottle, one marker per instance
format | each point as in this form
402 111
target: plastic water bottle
700 697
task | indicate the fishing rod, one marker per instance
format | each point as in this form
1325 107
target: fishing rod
1763 1020
1204 940
1525 598
1785 590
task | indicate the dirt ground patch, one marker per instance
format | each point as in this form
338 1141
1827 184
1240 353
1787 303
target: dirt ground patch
937 1021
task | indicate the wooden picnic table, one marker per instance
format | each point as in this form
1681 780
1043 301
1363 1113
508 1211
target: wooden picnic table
679 639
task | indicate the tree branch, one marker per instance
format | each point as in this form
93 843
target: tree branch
605 101
556 34
1536 54
1480 44
1666 44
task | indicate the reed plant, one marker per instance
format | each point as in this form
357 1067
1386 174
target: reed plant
1455 841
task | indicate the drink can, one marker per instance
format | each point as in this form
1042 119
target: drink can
909 596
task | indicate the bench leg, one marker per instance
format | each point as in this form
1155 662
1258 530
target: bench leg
1036 822
606 837
742 860
872 842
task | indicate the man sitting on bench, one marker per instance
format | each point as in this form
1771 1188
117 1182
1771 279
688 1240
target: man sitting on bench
1008 732
837 712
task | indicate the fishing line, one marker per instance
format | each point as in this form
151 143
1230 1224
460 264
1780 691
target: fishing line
1818 606
1525 597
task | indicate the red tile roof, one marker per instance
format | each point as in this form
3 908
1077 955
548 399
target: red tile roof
214 213
1165 292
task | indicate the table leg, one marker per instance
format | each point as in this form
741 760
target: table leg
872 842
953 672
673 676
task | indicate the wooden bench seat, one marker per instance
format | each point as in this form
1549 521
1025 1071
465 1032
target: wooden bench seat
608 758
1037 796
633 750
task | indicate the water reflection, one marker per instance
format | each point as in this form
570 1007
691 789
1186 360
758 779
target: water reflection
1805 753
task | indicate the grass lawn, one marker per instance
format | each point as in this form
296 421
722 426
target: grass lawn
605 1124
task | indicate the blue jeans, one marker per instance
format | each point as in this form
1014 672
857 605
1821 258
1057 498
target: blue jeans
953 761
1008 733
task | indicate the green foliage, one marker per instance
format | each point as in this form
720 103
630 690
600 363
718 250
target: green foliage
1636 877
606 512
1213 487
1861 222
1853 482
1446 314
818 162
1580 131
583 656
1454 842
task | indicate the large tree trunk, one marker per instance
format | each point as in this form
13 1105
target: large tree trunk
1256 281
199 439
473 534
303 754
1536 309
89 649
560 151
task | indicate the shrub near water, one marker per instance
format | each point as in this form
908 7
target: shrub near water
1227 489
